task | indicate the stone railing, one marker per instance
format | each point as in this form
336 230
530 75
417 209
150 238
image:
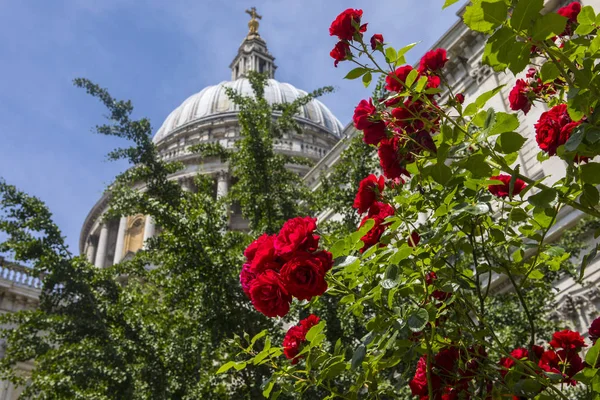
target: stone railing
19 275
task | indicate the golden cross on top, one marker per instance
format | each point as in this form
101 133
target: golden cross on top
253 24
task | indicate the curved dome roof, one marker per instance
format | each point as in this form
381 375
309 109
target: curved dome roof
213 100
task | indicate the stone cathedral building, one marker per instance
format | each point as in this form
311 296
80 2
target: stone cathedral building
209 116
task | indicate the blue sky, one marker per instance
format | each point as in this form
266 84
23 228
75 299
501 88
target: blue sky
156 53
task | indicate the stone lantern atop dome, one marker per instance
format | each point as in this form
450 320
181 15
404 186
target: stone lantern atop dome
253 54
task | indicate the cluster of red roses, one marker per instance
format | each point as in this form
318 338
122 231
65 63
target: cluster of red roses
452 370
369 200
347 28
562 358
525 92
405 131
554 128
288 264
296 336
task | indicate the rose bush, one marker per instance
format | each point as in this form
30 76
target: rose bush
422 285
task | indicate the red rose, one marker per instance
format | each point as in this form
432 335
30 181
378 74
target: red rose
531 72
549 126
269 295
433 82
341 51
260 254
309 322
363 113
369 191
343 26
395 80
389 158
568 340
378 212
460 98
304 275
418 384
409 115
518 98
296 336
414 239
570 11
556 362
440 295
503 189
246 278
507 362
296 234
594 330
373 131
430 277
375 40
433 60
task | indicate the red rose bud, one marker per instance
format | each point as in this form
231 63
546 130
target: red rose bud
414 239
340 52
369 191
433 60
460 98
375 40
430 277
502 189
344 25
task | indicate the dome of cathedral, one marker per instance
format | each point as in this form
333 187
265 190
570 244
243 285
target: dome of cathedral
213 100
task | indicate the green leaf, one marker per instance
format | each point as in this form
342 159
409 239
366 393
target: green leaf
268 387
543 198
390 278
586 16
504 123
390 55
525 13
366 79
441 173
314 331
584 29
258 336
226 367
417 320
592 134
536 274
401 254
590 196
509 142
585 261
481 100
411 78
421 84
358 356
485 15
335 369
549 25
549 72
356 73
448 3
590 173
595 45
406 49
575 138
591 357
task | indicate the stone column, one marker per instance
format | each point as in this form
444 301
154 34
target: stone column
91 249
120 240
186 184
222 184
102 242
149 228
